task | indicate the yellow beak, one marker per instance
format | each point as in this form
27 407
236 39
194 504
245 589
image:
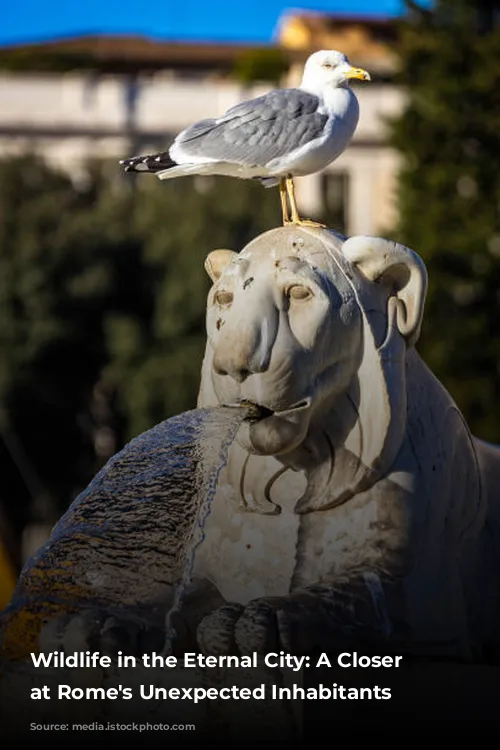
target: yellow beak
363 75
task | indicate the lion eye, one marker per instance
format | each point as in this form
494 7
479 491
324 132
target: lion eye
299 292
223 298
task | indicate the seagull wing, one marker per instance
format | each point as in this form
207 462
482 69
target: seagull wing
254 132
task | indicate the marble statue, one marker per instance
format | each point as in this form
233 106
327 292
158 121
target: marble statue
360 506
356 507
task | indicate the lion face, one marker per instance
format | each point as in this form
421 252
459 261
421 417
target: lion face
285 333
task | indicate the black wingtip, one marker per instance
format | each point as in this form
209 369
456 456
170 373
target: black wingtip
129 164
149 164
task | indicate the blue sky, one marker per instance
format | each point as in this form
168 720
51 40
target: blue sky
197 20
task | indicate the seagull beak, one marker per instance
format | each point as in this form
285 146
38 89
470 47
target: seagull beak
363 75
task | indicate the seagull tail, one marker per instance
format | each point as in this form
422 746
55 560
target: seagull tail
184 170
152 163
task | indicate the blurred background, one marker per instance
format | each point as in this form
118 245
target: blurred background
102 287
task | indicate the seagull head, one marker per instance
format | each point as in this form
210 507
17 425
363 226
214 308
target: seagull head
329 68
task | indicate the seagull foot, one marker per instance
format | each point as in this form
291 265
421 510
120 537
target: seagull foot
304 223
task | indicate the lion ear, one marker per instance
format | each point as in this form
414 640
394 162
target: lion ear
217 261
398 268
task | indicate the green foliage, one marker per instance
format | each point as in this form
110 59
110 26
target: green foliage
157 369
449 196
102 307
262 65
24 59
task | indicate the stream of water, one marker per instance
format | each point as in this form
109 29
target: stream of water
131 536
216 432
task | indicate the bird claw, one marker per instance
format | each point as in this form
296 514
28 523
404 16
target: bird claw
304 223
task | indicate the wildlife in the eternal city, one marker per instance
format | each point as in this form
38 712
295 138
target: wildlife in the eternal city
285 133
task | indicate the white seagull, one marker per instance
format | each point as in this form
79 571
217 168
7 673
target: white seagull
285 133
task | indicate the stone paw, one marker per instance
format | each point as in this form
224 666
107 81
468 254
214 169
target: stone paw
297 623
216 632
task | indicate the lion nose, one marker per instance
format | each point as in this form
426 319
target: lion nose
245 345
237 367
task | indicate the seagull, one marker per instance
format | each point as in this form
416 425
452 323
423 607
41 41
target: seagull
285 133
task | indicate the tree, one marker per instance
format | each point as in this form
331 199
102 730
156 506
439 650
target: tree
60 259
268 65
449 194
102 314
155 363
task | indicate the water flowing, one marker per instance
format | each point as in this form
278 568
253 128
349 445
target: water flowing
127 544
219 433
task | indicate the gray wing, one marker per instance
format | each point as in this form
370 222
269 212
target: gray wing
257 131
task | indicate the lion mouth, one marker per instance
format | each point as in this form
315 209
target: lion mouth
258 412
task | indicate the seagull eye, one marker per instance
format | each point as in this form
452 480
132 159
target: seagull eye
328 65
223 298
299 292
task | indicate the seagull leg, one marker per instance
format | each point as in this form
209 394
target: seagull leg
295 214
284 201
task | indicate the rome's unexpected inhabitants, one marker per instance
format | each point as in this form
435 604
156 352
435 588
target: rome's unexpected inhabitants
285 133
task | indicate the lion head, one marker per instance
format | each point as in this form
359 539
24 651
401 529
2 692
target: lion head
314 328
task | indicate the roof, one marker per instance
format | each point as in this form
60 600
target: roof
118 53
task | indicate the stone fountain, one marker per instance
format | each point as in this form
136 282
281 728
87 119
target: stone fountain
326 495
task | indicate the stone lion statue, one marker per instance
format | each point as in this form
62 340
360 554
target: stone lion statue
356 507
361 502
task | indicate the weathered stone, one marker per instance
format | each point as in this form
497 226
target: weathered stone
362 505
